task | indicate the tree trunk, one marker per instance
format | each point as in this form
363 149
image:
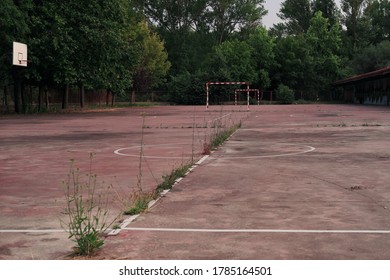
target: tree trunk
82 95
23 98
31 97
40 97
133 96
17 90
107 97
47 101
6 98
65 97
113 100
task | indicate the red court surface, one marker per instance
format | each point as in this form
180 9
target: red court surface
295 182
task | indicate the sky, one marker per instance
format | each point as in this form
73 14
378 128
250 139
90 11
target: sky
273 7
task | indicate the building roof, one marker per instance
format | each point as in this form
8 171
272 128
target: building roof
378 74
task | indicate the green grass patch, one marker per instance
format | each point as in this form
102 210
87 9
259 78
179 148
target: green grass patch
219 138
140 204
169 180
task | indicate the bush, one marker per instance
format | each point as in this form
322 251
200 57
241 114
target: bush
285 95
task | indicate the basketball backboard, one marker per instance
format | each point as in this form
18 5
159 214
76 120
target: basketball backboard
19 57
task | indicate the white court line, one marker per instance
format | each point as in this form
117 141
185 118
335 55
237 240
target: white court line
120 153
309 149
213 230
259 230
32 230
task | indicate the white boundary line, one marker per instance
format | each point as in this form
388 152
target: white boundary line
32 230
130 219
259 230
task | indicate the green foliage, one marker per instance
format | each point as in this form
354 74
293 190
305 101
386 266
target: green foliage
13 27
153 64
377 15
285 95
232 61
187 88
371 58
228 16
297 14
292 58
92 44
354 22
263 57
324 43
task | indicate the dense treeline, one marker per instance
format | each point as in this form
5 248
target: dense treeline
130 46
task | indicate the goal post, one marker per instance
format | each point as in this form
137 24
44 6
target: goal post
226 83
247 90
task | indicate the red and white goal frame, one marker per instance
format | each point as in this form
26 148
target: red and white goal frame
247 90
226 83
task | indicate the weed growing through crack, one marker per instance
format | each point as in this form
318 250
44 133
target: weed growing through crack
170 179
141 200
87 212
140 203
219 138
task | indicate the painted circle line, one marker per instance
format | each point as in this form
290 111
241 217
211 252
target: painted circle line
120 153
308 149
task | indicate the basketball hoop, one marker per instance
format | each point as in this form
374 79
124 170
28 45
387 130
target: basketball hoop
19 57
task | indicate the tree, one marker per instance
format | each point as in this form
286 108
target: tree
328 8
297 14
292 67
232 61
52 49
371 58
153 64
262 55
353 21
176 15
228 16
184 26
377 14
13 27
94 45
324 44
